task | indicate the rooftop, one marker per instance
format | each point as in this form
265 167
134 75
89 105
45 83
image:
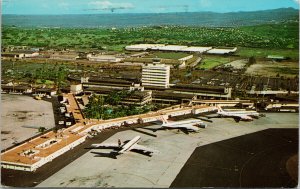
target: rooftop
196 49
222 51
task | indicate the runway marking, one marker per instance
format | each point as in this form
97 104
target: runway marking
144 178
207 166
244 165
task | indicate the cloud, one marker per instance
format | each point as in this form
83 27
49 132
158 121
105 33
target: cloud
205 3
109 5
297 1
64 5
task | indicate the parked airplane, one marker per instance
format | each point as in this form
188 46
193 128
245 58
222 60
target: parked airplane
122 147
238 115
185 126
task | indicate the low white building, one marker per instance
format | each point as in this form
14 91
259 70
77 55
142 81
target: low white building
31 54
143 47
186 58
172 48
222 51
196 49
76 88
104 58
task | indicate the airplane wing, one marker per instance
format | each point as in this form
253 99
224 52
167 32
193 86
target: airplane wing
188 126
142 148
105 145
246 117
112 154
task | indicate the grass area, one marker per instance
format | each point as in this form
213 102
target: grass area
211 62
175 55
262 53
46 82
269 68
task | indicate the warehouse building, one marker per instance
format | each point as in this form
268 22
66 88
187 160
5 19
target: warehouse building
196 49
222 51
171 48
104 58
143 47
20 89
19 54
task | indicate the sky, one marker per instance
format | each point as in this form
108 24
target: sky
48 7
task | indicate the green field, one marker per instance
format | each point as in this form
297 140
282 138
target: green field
262 53
174 55
211 62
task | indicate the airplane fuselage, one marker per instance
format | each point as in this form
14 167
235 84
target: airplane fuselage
177 123
129 144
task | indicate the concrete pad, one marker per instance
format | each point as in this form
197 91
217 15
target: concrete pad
18 111
136 170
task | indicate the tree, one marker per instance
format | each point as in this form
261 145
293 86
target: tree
252 60
95 107
42 130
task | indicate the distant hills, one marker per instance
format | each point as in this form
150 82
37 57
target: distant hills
207 19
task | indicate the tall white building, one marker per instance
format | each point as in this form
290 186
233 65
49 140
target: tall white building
156 74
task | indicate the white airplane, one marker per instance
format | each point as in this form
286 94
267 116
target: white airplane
185 126
238 115
122 147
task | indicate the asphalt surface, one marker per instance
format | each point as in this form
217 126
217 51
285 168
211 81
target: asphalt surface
252 160
30 179
226 154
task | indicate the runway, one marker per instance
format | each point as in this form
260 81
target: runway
176 158
254 160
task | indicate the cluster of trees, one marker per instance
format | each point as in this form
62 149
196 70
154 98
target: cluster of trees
55 73
271 36
109 107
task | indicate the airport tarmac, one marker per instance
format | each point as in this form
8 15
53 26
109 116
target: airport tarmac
19 112
160 170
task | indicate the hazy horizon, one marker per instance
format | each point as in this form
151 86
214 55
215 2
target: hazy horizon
71 7
150 13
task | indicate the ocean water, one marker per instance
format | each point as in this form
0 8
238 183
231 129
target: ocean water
138 20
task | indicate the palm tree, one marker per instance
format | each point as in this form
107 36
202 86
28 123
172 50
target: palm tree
42 129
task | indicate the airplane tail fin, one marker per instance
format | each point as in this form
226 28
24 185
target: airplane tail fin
220 109
164 120
119 142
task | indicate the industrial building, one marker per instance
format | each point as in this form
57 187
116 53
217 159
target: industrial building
20 54
222 51
21 89
196 49
180 48
143 47
104 58
156 74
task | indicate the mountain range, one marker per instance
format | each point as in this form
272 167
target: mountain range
204 19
